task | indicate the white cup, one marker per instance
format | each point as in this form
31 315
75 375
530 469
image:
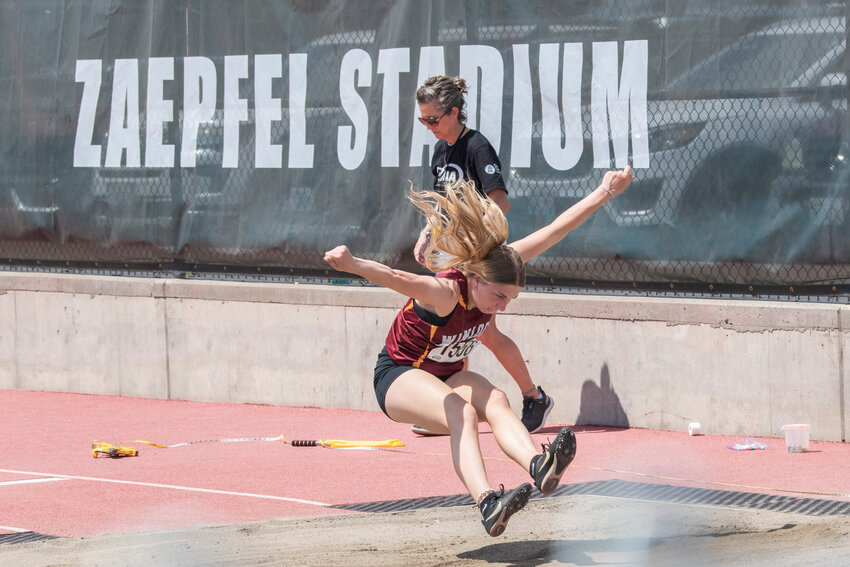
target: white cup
796 437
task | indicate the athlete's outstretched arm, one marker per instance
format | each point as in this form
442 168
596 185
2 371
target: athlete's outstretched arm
541 240
508 354
439 293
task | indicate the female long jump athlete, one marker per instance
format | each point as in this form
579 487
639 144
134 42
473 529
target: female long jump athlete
419 376
463 153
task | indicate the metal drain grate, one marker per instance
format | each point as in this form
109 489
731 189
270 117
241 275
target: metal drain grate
409 504
23 537
637 491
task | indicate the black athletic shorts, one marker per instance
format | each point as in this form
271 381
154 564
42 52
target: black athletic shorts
386 372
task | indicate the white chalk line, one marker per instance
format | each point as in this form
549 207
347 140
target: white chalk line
170 487
16 530
51 478
30 480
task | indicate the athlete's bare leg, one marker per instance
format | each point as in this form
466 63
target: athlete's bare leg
493 407
419 397
456 407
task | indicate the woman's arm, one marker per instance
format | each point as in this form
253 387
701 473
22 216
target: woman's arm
541 240
487 166
422 244
435 294
499 195
508 354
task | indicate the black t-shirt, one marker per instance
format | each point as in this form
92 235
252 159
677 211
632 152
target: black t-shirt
471 157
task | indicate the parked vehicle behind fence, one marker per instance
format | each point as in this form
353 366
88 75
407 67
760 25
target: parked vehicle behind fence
737 165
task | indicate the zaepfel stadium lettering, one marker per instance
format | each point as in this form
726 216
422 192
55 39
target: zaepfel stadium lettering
618 109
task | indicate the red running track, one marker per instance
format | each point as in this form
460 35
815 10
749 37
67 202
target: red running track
50 484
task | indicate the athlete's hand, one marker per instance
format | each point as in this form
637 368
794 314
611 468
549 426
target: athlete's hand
341 259
422 245
618 180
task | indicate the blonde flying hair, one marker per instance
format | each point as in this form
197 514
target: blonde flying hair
468 231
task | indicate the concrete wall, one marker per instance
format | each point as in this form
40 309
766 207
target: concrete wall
737 367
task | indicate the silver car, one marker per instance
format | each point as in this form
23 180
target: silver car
720 135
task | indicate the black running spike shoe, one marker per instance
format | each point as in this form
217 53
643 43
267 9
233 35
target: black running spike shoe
498 508
534 411
546 469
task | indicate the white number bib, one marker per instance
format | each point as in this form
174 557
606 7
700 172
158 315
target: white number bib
453 352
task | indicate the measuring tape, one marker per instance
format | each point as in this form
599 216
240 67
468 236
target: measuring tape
110 450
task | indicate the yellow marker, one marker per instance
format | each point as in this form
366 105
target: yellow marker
112 450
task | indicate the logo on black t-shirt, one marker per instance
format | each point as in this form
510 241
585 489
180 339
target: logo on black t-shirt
449 172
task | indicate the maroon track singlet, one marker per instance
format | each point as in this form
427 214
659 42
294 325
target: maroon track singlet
436 344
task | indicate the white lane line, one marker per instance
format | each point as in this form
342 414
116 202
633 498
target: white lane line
30 480
16 530
171 487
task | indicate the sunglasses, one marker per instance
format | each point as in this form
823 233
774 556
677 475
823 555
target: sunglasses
431 120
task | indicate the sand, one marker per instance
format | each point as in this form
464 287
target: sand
571 530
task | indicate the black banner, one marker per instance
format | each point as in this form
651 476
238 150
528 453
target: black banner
264 133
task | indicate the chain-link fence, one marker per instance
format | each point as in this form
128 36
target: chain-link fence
196 135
